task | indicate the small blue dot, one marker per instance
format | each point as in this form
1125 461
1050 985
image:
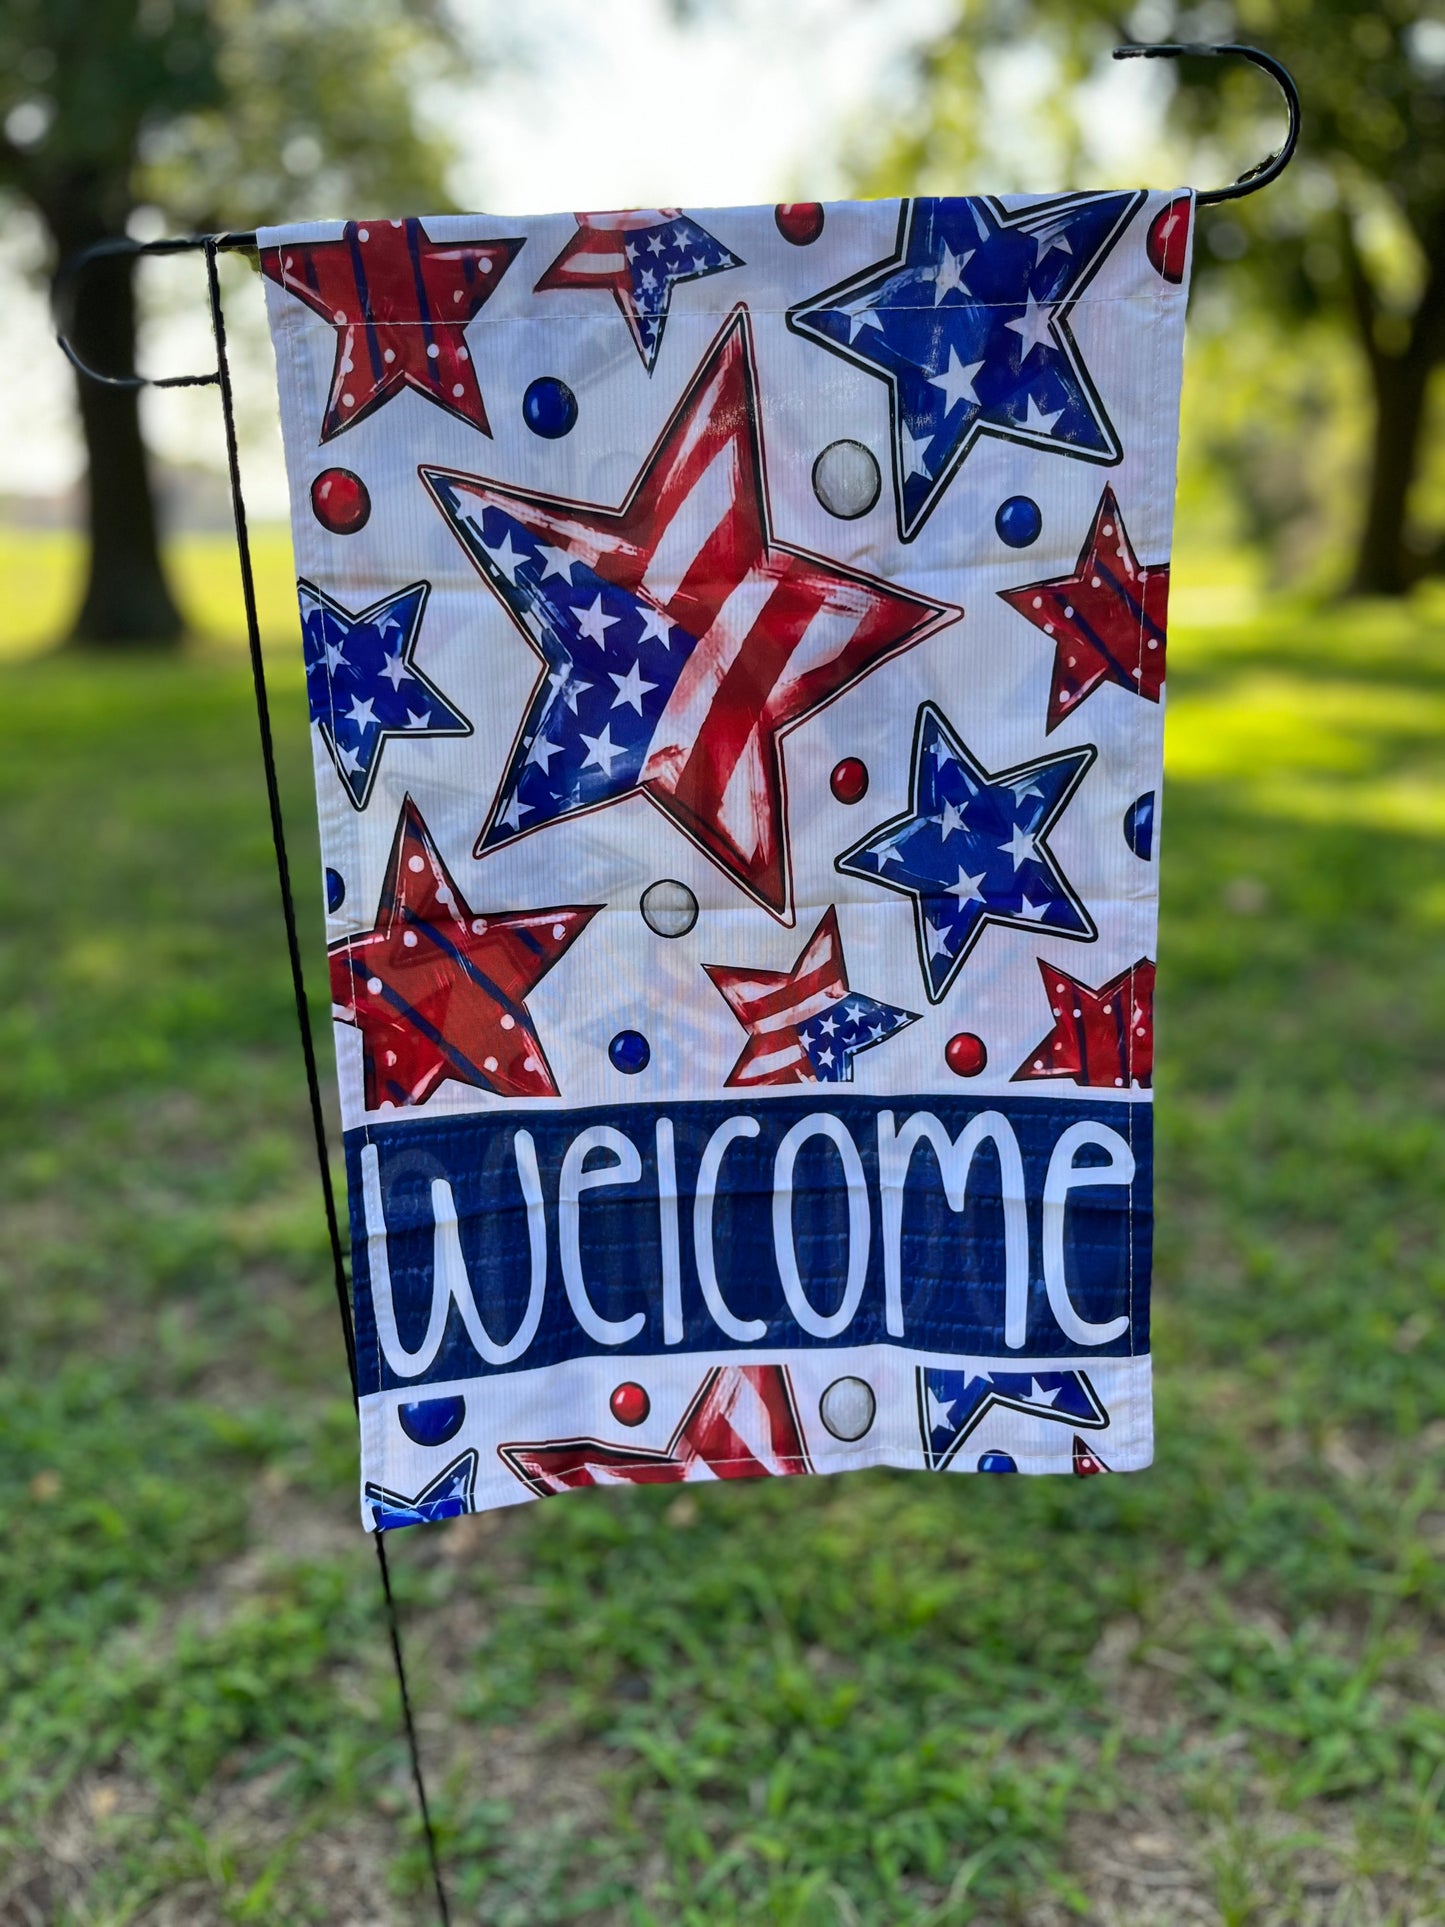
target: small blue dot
432 1421
997 1462
335 890
1139 826
1018 521
630 1052
549 408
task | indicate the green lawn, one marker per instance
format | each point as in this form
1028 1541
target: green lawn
1214 1692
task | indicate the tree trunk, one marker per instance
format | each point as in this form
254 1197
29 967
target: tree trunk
1382 566
127 599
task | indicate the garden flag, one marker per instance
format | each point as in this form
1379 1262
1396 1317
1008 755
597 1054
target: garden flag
734 642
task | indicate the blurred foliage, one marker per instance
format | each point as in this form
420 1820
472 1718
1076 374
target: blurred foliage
1333 303
221 112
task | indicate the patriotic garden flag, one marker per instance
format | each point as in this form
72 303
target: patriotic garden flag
734 643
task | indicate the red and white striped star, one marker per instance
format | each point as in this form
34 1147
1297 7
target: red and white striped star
769 633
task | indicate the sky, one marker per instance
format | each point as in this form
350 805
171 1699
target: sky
602 103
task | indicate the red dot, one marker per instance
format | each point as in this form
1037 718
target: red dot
799 221
340 502
1168 242
849 781
965 1054
630 1404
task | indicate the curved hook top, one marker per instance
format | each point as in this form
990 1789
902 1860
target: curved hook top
122 246
1273 165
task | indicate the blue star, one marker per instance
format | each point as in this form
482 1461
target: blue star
967 322
951 1404
362 686
446 1496
971 850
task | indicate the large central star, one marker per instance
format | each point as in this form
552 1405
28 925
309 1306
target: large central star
399 303
968 323
679 640
972 849
437 992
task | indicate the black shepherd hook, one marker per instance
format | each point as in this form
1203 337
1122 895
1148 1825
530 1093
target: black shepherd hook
1273 165
68 279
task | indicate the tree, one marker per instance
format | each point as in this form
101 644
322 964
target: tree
1356 230
220 113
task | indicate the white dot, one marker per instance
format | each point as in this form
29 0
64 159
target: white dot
1068 609
458 390
1137 674
1140 1031
846 479
443 894
1108 1010
290 260
373 984
1057 1011
530 1064
559 931
386 1105
1097 584
1118 1080
390 1058
1153 642
485 265
489 1063
396 224
347 364
388 354
1058 1047
1038 602
462 355
509 1022
432 351
1072 661
348 401
1064 696
363 234
1108 528
1077 1011
1061 990
409 939
456 294
479 925
415 864
1038 1063
1048 628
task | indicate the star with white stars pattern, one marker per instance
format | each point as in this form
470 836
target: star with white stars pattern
640 256
972 849
968 323
362 686
672 678
953 1403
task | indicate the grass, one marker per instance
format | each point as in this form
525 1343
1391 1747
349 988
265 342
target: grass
1214 1692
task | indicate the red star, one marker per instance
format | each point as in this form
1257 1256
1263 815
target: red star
399 304
1107 619
772 1004
1104 1037
771 633
742 1423
437 992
